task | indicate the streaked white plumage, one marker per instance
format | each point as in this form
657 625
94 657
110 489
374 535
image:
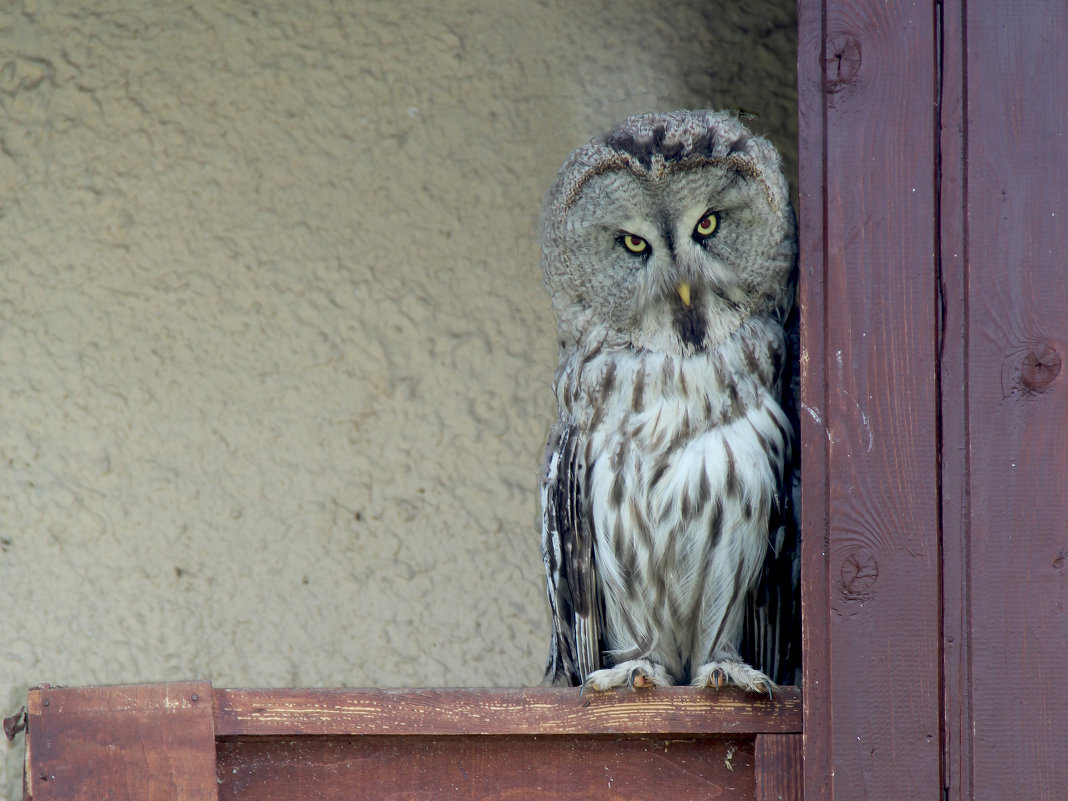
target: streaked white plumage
668 249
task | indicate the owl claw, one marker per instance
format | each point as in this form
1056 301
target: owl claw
731 671
635 674
638 679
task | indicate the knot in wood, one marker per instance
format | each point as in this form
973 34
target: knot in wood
841 61
858 573
1040 367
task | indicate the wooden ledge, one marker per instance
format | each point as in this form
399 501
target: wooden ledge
666 711
192 742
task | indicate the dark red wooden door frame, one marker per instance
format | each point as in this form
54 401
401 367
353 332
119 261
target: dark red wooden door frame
934 292
867 85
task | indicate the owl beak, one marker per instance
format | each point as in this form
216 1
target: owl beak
684 293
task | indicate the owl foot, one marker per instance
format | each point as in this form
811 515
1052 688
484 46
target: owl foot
731 671
634 673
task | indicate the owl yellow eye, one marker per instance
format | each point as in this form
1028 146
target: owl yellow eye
634 244
706 226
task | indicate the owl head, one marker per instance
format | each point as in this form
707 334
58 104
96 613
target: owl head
668 233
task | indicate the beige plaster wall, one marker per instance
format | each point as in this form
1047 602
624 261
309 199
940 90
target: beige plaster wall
274 352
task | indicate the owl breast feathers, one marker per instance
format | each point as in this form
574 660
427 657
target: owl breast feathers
668 246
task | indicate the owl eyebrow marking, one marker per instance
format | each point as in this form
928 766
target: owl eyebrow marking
609 165
643 146
739 145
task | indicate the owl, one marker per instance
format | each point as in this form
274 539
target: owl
669 253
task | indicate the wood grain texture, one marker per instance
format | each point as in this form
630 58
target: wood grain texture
1010 495
145 742
777 760
868 85
665 711
561 768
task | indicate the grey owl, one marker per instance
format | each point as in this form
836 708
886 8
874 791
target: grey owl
669 252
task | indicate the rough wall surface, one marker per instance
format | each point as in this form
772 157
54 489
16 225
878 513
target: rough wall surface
274 351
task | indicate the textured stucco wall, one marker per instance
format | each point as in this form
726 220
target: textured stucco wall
274 351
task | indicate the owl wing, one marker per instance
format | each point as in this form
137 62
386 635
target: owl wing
568 551
771 638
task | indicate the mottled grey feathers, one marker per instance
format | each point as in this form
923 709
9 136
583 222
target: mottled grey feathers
664 510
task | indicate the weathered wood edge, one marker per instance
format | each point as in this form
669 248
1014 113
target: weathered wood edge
530 711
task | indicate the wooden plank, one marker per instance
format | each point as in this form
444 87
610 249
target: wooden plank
539 710
136 742
869 393
777 767
562 768
1016 403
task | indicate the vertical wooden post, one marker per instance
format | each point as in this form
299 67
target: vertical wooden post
777 766
145 742
1005 398
868 84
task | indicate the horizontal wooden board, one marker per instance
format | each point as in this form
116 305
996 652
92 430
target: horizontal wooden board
454 768
667 711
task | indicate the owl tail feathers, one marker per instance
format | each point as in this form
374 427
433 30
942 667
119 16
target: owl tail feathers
573 653
557 672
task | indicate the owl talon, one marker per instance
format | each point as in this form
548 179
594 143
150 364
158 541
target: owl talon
635 674
735 672
638 679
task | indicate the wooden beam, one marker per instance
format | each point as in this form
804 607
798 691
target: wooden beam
486 768
662 712
535 743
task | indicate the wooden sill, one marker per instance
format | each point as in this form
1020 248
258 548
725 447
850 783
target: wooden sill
190 741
